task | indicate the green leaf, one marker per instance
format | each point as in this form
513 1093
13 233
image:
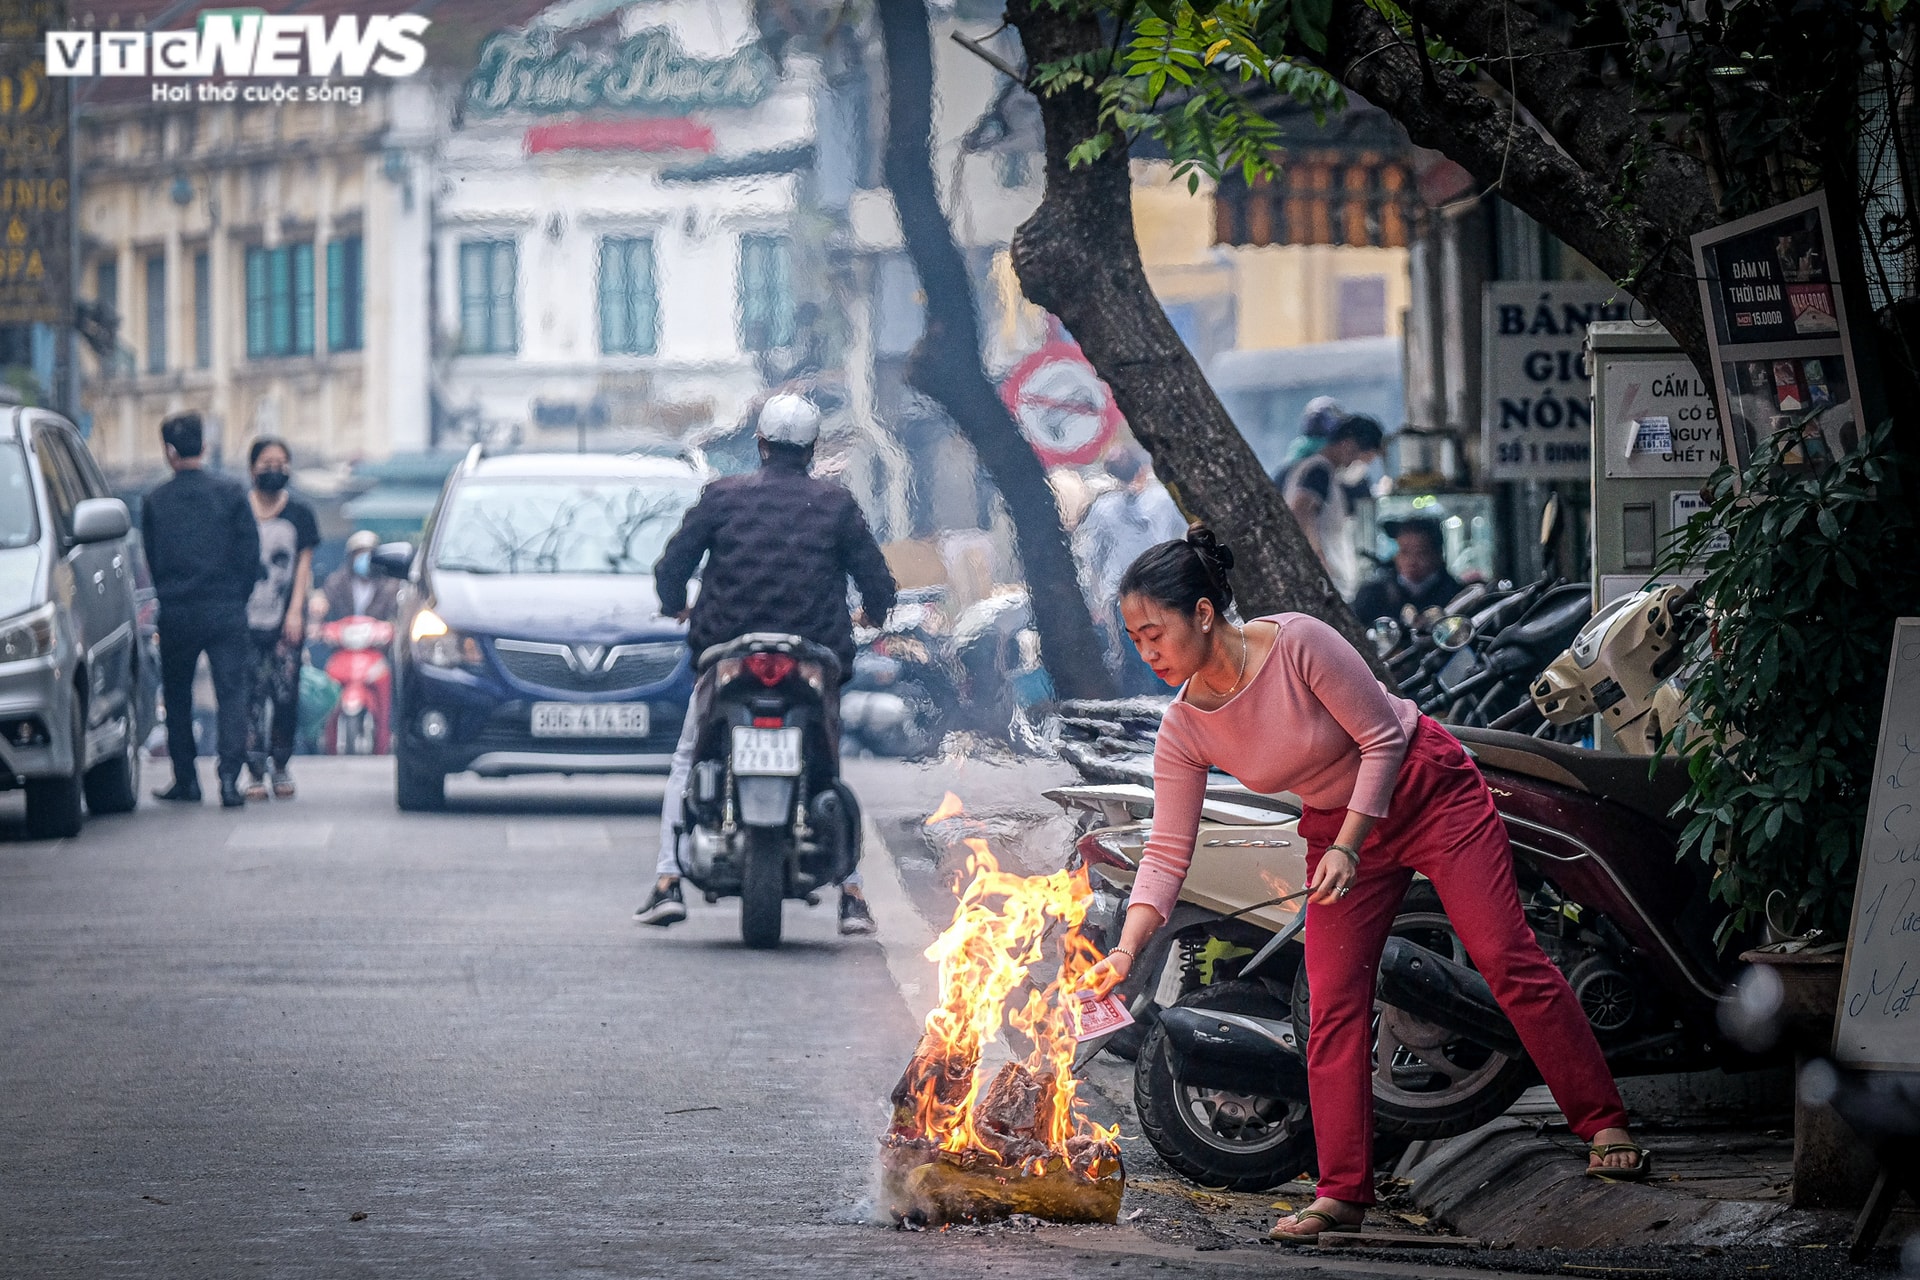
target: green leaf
1310 19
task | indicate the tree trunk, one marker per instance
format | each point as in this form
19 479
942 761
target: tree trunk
1077 257
945 364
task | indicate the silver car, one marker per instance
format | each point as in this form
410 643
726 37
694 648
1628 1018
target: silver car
72 711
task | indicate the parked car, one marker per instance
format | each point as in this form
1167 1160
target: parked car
76 700
530 638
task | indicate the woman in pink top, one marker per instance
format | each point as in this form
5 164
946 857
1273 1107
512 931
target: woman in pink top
1285 704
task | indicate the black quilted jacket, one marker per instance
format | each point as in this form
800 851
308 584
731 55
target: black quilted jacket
779 547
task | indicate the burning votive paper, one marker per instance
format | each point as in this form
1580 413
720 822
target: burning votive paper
1097 1016
968 1144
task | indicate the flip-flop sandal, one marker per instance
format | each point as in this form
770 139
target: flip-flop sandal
1635 1172
1332 1226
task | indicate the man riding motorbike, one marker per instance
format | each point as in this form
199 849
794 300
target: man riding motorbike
779 548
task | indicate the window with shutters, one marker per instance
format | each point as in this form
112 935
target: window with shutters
280 301
766 293
629 306
202 310
489 319
346 307
156 313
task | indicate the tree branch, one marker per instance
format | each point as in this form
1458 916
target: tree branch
1592 119
945 363
1500 149
1077 257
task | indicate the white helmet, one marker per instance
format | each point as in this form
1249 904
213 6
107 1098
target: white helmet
789 419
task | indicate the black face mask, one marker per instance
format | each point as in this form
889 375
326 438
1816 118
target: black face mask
270 481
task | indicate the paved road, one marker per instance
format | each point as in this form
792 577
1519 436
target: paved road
322 1038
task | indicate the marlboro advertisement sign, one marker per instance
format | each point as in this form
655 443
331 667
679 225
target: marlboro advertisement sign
1777 329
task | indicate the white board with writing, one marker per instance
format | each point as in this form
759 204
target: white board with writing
1879 1022
1660 419
1537 416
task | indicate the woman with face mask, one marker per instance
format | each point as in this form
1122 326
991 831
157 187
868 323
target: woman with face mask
276 617
1320 491
1283 703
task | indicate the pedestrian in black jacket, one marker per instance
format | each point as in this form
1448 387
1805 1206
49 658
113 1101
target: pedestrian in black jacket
779 546
204 550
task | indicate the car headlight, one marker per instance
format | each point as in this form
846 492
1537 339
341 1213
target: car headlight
30 635
438 645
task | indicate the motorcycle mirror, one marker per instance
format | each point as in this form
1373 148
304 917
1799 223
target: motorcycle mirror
393 559
1385 634
1452 633
1550 517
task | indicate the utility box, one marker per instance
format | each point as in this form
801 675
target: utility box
1656 439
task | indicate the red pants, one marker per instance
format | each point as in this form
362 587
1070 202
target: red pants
1442 824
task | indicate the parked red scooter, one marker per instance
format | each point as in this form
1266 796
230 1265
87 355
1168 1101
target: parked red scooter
359 722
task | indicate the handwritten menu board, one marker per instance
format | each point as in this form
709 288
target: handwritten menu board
1777 331
1879 1022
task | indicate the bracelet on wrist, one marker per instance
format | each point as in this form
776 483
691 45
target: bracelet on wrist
1122 951
1347 849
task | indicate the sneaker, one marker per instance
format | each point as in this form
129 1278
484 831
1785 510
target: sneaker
256 788
855 918
282 784
181 792
230 797
663 906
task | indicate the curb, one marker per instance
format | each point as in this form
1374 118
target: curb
1509 1184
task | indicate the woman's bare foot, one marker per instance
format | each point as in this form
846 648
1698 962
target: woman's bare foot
1310 1222
1625 1160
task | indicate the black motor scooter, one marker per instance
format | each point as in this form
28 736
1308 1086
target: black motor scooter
767 817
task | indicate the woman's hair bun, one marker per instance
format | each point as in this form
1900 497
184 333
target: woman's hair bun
1203 540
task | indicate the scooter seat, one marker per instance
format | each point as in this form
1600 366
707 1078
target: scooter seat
1622 779
1561 611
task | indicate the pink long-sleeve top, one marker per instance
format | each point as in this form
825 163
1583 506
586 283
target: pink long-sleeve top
1313 721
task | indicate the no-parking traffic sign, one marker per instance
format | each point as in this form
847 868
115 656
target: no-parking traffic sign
1065 411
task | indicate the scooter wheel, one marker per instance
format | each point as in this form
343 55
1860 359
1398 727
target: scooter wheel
1242 1142
763 887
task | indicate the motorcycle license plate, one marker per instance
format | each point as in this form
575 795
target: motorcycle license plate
1458 668
590 720
765 753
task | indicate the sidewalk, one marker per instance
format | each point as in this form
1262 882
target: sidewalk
1723 1145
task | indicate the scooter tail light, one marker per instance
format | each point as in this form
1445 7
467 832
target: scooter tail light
1103 848
770 668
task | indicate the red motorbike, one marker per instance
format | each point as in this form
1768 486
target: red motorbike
359 723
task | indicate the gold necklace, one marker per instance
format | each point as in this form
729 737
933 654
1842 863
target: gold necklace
1242 632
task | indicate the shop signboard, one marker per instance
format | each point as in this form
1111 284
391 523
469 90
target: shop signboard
1777 331
1538 419
36 189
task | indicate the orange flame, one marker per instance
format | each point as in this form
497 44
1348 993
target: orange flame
1277 886
949 807
1000 927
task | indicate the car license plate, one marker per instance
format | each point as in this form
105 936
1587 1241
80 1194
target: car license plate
590 720
766 753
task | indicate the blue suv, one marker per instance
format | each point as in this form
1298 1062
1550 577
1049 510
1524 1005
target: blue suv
529 638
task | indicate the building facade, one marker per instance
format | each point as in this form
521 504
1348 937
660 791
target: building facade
620 249
264 264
